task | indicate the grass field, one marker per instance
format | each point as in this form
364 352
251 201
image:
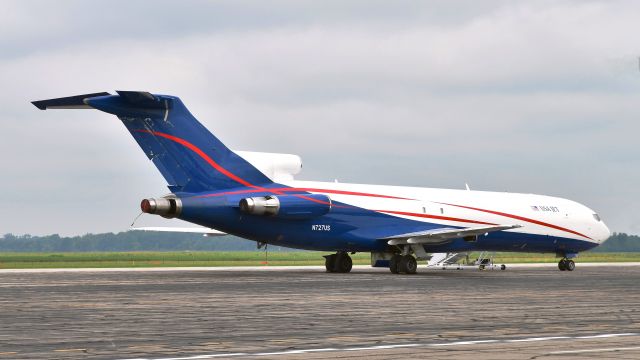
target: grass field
240 258
163 259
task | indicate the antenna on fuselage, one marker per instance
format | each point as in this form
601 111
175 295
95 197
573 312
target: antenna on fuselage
467 186
136 219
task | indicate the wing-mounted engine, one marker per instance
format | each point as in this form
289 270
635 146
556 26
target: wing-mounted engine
277 167
287 206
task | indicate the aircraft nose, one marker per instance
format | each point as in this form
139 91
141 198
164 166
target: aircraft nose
604 233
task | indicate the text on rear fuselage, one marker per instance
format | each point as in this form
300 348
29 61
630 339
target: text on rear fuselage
321 227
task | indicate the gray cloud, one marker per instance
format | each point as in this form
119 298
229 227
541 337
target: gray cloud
519 96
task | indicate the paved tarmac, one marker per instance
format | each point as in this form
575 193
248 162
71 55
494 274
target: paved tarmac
295 313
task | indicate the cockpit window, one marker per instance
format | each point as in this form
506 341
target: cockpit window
595 216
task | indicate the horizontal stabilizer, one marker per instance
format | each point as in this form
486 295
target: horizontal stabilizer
437 236
194 230
145 100
69 102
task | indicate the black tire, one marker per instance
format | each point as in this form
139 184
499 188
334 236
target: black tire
570 265
503 267
343 263
408 265
329 262
394 263
562 265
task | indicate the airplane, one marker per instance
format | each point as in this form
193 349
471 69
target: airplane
254 195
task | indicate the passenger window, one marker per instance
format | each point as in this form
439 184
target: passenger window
595 216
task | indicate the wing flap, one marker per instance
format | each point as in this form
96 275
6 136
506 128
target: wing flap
443 235
195 230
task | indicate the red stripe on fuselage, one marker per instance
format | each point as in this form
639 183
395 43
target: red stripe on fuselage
327 191
202 154
343 192
517 217
438 217
217 166
280 191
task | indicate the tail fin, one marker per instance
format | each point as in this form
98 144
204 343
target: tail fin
189 157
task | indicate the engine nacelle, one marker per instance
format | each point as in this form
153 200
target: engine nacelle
168 207
287 206
277 167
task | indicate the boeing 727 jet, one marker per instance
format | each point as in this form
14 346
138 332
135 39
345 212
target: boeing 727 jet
255 196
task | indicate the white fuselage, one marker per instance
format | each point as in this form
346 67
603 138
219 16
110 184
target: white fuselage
536 214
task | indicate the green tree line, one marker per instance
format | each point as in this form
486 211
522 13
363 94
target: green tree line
126 241
620 242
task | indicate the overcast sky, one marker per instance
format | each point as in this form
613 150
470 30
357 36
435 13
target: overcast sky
540 97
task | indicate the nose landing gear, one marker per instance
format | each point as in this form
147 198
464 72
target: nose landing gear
566 265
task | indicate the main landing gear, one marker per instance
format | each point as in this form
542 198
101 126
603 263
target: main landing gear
338 263
566 265
405 264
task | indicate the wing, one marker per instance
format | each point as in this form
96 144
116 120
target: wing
443 235
196 230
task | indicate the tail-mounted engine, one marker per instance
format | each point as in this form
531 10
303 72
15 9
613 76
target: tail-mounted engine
287 206
165 207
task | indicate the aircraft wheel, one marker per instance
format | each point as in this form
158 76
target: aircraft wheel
569 265
503 267
394 263
562 265
343 263
330 262
408 265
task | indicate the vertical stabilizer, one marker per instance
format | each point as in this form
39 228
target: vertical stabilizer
190 158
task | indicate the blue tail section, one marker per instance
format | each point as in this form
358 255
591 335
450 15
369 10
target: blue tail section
190 158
